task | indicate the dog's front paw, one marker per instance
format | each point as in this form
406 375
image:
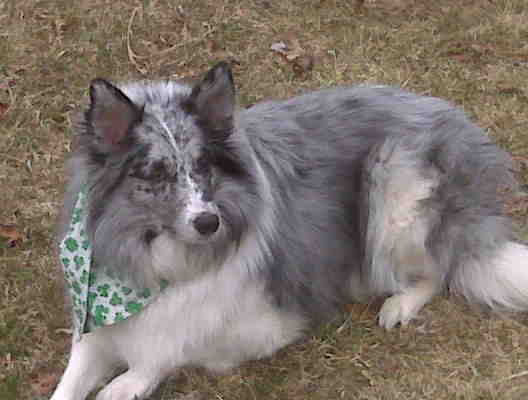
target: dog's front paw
400 308
129 386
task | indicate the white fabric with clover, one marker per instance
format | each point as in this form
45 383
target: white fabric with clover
98 298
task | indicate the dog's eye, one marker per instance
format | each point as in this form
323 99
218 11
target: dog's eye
145 189
157 174
202 165
138 174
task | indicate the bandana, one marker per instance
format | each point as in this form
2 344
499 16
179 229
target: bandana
98 297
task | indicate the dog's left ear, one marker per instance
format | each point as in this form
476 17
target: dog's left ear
213 99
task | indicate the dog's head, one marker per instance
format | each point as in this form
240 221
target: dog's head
165 160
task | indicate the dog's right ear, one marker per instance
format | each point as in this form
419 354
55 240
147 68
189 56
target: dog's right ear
111 114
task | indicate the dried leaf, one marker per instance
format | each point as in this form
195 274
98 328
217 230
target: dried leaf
303 64
511 90
212 46
459 56
45 383
7 84
292 52
3 109
12 235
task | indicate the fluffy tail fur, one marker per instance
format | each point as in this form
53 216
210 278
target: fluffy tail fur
500 282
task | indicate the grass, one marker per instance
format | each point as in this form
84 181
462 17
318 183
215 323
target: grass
472 52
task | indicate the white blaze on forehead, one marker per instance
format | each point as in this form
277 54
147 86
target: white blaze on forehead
168 134
195 203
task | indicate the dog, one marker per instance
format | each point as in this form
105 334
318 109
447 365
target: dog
254 225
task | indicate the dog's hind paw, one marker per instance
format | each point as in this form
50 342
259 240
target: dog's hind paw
400 308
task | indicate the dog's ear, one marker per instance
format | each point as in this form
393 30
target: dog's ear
213 99
111 114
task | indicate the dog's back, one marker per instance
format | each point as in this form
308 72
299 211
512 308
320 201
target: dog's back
377 183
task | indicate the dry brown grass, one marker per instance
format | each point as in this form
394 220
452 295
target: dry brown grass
473 52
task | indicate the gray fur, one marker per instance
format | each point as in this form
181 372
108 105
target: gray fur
320 153
314 150
336 194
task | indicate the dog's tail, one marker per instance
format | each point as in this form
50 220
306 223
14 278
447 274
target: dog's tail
500 281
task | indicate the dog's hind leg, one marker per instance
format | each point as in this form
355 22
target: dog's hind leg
418 282
397 214
91 362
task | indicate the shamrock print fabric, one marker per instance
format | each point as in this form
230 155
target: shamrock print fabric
98 298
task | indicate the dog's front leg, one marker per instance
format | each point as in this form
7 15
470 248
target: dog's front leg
134 384
216 322
91 361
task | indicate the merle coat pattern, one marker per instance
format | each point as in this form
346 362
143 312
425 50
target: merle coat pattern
266 221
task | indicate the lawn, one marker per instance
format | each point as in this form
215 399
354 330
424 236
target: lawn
472 52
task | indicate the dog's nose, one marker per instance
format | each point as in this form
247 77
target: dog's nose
206 223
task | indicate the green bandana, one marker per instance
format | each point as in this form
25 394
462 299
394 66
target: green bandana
98 298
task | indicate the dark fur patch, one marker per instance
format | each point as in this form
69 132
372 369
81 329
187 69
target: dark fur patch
150 235
223 155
